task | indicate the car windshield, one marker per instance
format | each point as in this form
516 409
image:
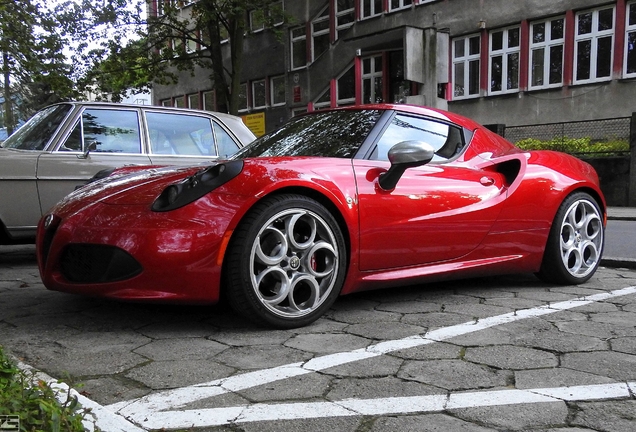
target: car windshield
38 131
328 134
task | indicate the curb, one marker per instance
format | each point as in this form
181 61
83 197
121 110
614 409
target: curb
613 262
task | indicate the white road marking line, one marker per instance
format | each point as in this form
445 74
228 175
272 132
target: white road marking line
384 406
146 406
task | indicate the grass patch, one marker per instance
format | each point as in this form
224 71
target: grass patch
35 402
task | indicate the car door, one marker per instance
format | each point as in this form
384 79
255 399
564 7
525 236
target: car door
100 138
437 212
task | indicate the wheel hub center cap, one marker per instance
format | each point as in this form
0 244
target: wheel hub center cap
294 263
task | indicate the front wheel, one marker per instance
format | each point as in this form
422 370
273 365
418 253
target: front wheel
286 263
575 244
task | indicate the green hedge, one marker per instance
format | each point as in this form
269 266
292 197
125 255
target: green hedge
35 403
577 145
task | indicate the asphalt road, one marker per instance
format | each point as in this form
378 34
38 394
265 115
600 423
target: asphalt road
620 239
492 354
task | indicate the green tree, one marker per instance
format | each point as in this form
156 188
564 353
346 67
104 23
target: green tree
32 58
181 36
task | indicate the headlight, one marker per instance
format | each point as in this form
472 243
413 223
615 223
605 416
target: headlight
194 187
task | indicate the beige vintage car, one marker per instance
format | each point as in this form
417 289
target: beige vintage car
64 145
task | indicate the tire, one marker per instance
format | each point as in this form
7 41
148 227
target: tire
286 262
575 244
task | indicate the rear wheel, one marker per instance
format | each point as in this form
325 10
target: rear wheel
575 243
286 263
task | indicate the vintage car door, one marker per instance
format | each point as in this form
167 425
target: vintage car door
437 212
100 138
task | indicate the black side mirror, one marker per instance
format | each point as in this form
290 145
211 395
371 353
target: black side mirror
403 155
90 145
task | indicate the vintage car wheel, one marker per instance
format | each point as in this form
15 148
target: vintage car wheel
575 243
286 263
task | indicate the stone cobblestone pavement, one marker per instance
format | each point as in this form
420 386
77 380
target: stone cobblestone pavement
492 354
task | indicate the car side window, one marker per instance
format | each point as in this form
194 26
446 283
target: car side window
446 140
105 131
227 146
180 134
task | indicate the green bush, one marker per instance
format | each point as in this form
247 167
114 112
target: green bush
35 403
576 145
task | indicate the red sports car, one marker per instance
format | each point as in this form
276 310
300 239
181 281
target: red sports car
334 202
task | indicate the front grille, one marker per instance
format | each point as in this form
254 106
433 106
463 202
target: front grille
87 263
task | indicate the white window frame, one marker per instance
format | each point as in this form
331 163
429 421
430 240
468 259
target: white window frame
401 5
256 83
243 89
370 11
372 75
205 97
342 13
194 97
546 45
324 104
253 28
293 40
465 61
321 18
191 42
629 29
505 53
272 90
594 37
347 101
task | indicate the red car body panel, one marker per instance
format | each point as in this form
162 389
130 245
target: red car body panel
488 211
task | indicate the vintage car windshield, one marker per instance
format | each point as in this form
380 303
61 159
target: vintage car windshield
329 134
38 131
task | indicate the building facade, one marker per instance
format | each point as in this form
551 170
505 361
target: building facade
496 61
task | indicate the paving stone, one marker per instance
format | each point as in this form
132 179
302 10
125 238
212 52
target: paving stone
516 417
261 356
439 350
375 388
556 377
490 336
327 343
110 389
322 325
249 337
625 345
178 373
340 424
559 341
478 310
353 316
408 307
597 307
454 374
511 357
596 329
184 329
516 303
381 366
622 319
184 348
610 416
303 387
435 320
619 366
546 295
384 331
426 423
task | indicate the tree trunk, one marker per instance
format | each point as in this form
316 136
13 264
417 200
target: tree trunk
9 122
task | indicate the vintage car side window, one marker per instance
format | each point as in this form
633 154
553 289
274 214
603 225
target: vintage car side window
227 146
111 131
447 140
74 140
178 134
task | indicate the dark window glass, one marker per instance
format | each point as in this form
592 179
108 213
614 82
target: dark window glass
38 131
583 60
632 14
585 23
513 38
347 85
328 134
631 52
474 45
537 67
459 48
538 33
557 29
556 64
496 73
497 41
473 77
604 57
513 71
605 19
